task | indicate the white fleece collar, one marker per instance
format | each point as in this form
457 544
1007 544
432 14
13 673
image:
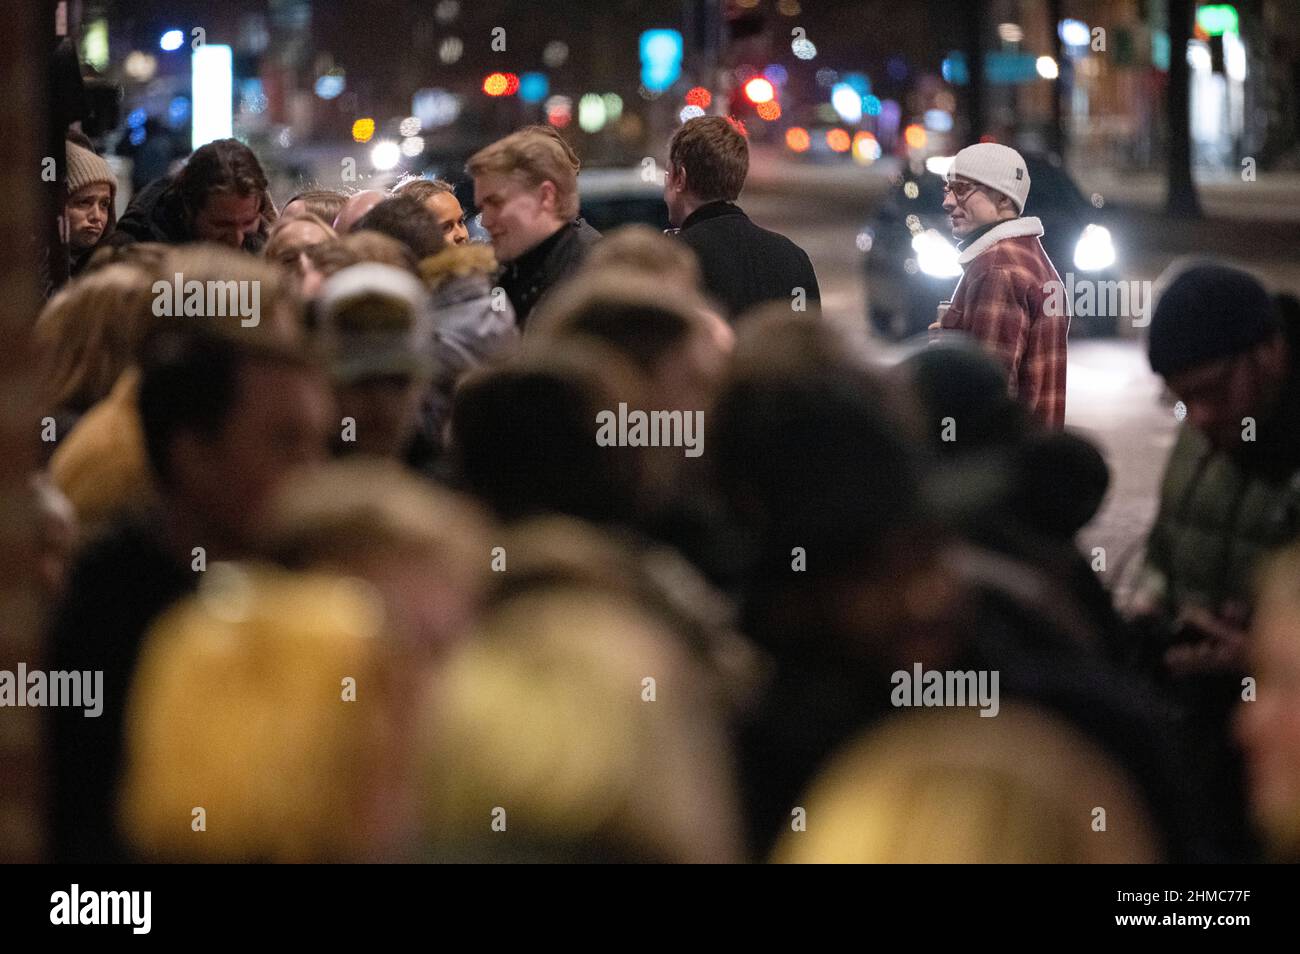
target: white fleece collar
1012 228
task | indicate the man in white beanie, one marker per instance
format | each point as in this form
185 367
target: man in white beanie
1007 277
92 190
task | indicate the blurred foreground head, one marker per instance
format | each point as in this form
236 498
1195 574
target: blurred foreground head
577 725
232 301
817 463
677 349
263 725
1051 481
945 786
89 333
1269 726
523 435
424 549
811 449
375 327
671 340
225 420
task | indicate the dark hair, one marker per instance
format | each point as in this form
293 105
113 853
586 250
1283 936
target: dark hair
189 381
224 165
422 189
643 333
808 450
523 435
715 155
407 220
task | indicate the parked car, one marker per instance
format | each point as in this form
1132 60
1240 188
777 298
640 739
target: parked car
910 258
614 197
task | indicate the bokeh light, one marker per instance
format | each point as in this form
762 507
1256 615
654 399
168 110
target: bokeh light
363 130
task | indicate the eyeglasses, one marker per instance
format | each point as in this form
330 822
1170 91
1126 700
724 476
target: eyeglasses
959 190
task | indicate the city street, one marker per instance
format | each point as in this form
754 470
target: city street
1112 396
523 433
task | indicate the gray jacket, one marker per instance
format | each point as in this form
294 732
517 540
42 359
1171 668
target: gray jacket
468 332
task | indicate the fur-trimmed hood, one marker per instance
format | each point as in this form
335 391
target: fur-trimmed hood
1029 225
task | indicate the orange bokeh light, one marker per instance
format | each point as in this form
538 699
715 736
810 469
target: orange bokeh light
915 136
699 96
770 110
495 84
838 140
797 138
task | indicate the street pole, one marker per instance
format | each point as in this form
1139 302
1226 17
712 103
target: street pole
1181 200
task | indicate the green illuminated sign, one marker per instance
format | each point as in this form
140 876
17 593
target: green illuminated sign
1217 19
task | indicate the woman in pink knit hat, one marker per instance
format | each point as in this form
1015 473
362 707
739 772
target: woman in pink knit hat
92 190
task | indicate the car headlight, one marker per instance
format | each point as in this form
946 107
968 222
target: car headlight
935 255
1095 249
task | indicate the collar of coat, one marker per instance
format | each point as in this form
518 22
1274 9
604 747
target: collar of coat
711 210
1011 228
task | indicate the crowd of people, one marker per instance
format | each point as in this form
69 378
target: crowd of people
364 584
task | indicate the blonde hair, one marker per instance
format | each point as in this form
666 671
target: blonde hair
148 256
533 155
88 334
545 713
276 244
281 309
240 707
947 786
647 251
623 308
347 509
421 189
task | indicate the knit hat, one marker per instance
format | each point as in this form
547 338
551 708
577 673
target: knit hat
1205 312
85 168
375 320
996 166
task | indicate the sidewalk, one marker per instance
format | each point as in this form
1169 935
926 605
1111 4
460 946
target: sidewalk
1272 197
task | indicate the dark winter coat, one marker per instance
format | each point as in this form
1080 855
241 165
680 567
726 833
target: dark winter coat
744 265
532 275
157 214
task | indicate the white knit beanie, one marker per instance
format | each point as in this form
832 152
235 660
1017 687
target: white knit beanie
84 167
996 166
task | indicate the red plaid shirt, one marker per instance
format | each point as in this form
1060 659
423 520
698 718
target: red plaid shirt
1000 301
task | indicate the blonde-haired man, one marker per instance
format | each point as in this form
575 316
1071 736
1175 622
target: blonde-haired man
526 186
